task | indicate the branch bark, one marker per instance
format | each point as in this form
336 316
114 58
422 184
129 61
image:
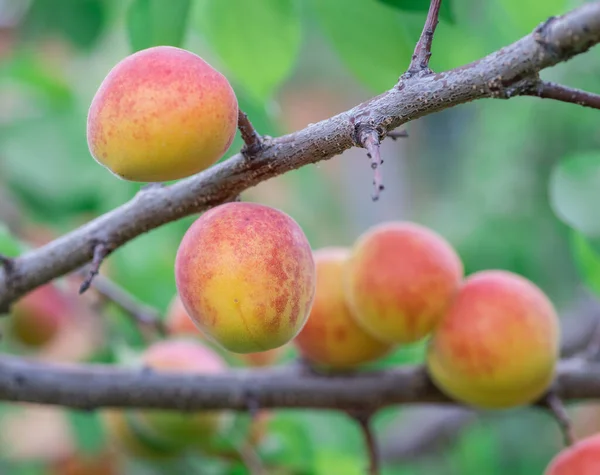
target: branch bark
558 92
503 74
94 386
422 54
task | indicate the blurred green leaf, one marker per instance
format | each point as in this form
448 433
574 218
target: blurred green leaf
79 21
369 37
157 22
87 431
586 254
9 245
328 461
575 192
422 6
257 40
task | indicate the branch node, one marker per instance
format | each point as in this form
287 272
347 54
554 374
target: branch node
7 263
363 418
558 410
253 142
419 64
101 250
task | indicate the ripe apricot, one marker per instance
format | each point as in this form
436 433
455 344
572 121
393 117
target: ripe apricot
246 275
174 426
497 346
161 114
582 458
37 318
331 338
400 279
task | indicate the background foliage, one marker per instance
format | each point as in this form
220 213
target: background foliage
513 185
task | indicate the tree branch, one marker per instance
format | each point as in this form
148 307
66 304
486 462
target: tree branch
500 74
422 54
141 313
253 142
558 92
95 386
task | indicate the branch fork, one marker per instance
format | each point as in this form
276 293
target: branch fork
253 142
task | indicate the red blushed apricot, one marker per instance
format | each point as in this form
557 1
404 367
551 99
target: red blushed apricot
174 427
161 114
582 458
246 275
331 338
497 346
179 323
400 279
36 319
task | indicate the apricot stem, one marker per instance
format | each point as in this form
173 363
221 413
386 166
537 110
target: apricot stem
558 410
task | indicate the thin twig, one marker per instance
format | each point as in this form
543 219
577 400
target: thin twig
364 422
252 139
101 250
420 58
558 410
370 140
558 92
250 459
142 314
395 135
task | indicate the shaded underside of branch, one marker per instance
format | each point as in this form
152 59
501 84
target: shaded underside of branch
95 386
501 74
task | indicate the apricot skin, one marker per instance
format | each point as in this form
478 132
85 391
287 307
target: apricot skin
181 356
331 338
582 458
161 114
498 344
246 275
179 323
400 279
37 318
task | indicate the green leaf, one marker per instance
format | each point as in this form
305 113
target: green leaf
369 37
422 6
9 245
575 192
586 254
79 21
156 22
258 40
87 431
329 461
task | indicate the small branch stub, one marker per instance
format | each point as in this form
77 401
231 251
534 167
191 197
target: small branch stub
420 58
558 410
369 139
101 250
252 140
397 135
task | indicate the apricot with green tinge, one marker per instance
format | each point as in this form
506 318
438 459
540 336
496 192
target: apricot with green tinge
161 114
331 338
176 427
400 279
498 344
246 276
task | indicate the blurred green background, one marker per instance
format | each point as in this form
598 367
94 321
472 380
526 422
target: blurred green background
512 184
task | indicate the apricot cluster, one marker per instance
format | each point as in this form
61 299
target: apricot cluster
492 337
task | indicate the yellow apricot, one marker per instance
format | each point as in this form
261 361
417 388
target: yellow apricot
161 114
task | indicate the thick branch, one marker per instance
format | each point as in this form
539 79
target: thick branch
558 92
492 76
94 386
422 54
